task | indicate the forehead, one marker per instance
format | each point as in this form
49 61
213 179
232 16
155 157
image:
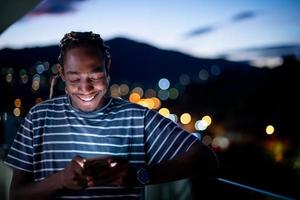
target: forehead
82 59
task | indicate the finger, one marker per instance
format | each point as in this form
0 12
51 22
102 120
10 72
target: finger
79 160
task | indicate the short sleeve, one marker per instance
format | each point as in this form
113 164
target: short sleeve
164 139
20 155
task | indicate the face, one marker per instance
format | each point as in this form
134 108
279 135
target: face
85 78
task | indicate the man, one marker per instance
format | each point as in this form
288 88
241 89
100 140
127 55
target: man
86 144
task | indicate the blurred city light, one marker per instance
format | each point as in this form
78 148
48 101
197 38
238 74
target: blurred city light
17 112
40 68
206 140
115 90
9 78
184 79
149 93
124 89
200 125
54 69
134 97
215 70
173 93
185 118
18 103
164 84
173 117
220 142
164 112
207 119
270 129
163 94
138 90
203 74
157 103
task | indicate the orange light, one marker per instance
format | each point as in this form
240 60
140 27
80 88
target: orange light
156 102
134 97
18 103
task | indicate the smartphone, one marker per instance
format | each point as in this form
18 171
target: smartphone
94 165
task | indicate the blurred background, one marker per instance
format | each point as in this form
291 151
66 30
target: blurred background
226 71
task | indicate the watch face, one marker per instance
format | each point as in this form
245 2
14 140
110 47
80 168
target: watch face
143 176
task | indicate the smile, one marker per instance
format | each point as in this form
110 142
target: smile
87 99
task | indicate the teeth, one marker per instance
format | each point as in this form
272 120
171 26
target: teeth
87 99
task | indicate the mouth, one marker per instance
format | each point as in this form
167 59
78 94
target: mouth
87 98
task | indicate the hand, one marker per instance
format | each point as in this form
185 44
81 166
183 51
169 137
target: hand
72 175
110 171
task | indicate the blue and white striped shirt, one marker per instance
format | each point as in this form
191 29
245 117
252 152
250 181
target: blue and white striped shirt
54 132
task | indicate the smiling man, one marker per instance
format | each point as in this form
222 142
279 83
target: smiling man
86 144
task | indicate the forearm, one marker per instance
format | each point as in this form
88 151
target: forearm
44 189
198 161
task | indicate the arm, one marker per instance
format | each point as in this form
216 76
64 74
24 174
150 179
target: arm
199 160
24 187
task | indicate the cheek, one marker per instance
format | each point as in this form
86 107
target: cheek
101 85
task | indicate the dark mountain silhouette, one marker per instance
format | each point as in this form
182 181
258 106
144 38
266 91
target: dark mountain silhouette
131 61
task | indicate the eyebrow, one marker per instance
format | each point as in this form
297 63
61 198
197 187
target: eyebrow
96 70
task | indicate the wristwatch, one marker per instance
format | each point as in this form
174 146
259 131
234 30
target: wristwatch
143 176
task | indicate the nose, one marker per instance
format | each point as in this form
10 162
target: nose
86 86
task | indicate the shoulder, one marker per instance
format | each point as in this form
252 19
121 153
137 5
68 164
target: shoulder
54 104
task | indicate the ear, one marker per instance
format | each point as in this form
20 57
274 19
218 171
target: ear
61 71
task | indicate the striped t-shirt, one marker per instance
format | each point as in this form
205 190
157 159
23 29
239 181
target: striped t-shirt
54 132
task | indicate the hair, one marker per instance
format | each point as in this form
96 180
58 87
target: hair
83 39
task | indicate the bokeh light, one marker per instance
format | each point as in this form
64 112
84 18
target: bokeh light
134 97
22 72
163 94
9 78
138 90
18 103
207 140
173 93
164 84
215 70
203 74
270 129
149 93
54 69
184 79
207 119
40 68
185 118
173 117
124 89
17 112
24 79
220 142
115 90
156 102
200 125
164 112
